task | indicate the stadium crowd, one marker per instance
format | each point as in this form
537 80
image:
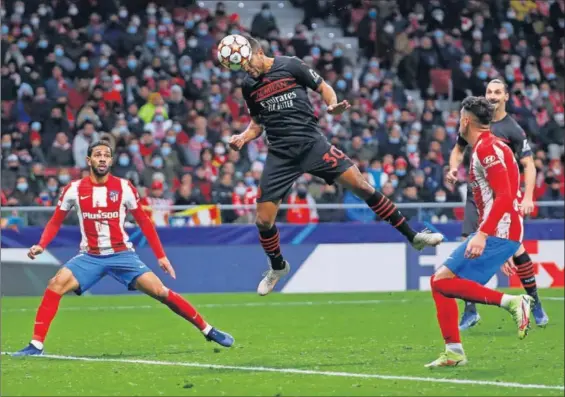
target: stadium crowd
146 78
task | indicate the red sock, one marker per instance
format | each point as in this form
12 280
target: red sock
184 309
45 314
468 290
447 315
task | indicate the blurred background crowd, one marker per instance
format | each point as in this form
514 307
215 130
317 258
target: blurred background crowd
145 75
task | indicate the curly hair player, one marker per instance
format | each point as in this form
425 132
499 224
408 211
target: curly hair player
495 181
275 90
504 127
101 201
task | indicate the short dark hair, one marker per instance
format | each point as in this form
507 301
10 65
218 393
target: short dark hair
255 45
499 81
101 142
479 107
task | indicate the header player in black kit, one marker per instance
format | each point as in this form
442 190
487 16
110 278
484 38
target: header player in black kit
508 130
275 90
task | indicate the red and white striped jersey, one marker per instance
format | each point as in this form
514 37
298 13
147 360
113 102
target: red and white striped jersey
495 182
101 211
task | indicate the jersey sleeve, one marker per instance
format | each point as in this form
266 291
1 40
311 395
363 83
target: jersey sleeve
493 160
251 106
304 74
68 198
131 197
519 142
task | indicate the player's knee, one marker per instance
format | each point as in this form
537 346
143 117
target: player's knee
58 285
263 223
161 292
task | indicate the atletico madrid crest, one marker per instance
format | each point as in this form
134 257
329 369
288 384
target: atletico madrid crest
114 195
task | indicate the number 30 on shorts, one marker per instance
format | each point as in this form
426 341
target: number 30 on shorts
333 155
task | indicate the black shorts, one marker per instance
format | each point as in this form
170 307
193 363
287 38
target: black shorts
282 169
471 217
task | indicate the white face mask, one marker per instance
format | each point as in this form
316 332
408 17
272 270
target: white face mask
220 150
240 190
123 13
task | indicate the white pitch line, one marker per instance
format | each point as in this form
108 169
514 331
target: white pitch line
241 304
308 372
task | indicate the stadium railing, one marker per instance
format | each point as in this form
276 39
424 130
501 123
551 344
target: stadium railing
424 211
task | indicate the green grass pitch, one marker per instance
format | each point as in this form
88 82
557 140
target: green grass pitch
286 345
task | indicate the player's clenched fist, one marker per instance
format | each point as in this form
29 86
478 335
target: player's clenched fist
237 142
34 251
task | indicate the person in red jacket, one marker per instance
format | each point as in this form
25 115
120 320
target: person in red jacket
302 215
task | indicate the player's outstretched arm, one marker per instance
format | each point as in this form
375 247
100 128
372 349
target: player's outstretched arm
330 99
253 131
455 159
49 233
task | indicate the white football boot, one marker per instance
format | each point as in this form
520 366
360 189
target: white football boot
426 238
270 279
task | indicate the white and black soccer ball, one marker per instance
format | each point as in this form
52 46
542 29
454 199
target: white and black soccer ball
234 51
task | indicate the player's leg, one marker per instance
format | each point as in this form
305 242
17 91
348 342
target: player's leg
525 271
470 315
150 284
78 275
277 179
329 163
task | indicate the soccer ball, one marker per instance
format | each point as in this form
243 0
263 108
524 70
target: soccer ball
234 51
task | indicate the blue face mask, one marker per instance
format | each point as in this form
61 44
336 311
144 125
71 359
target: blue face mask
274 48
157 162
202 32
5 29
123 161
338 52
411 148
438 34
64 179
482 75
171 139
134 148
394 183
341 85
177 128
262 157
42 44
348 75
165 151
315 51
22 186
510 77
167 42
159 119
394 140
266 13
450 130
22 44
132 63
374 64
400 173
152 31
151 44
52 188
189 24
83 65
132 29
6 145
466 67
59 52
199 138
27 31
551 76
226 75
249 181
372 14
529 92
487 64
103 63
166 20
545 94
186 68
368 139
44 197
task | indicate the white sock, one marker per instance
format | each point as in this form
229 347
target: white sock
206 330
37 344
506 299
455 347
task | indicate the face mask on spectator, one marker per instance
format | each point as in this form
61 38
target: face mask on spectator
348 75
134 148
83 65
22 44
186 68
411 148
199 138
487 64
19 9
551 76
341 85
203 32
481 74
44 197
189 24
438 34
192 42
389 28
123 14
157 162
262 157
400 173
42 11
123 161
73 10
103 62
151 10
64 179
372 14
27 31
52 188
42 44
5 29
338 52
159 118
394 140
165 53
6 145
132 29
510 77
132 63
440 198
22 186
220 150
35 21
559 119
466 67
240 190
394 183
249 181
167 42
171 139
166 20
165 151
315 51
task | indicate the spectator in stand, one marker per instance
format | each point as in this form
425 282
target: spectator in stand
157 205
22 195
263 22
301 196
61 153
222 193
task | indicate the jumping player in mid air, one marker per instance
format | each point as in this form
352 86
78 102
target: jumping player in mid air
275 90
495 182
508 130
101 201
